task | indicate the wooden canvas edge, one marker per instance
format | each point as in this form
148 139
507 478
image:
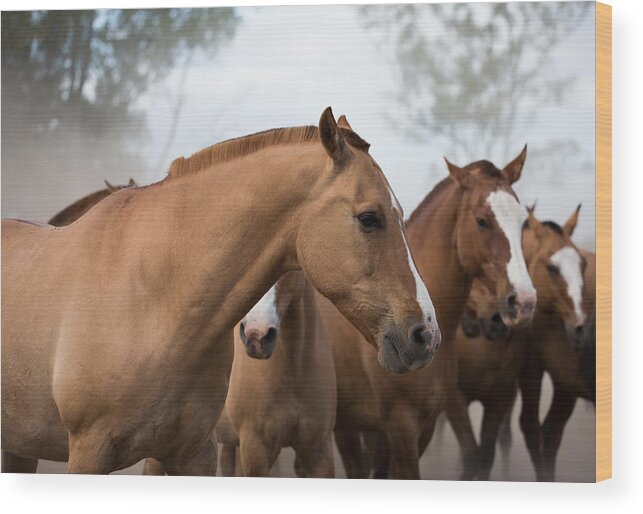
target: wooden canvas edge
603 241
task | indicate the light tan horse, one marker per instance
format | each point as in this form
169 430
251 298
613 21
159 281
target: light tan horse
65 217
117 329
289 400
489 364
468 226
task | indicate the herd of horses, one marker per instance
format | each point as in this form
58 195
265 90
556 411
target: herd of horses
267 293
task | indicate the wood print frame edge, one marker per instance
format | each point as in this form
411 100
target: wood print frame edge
603 241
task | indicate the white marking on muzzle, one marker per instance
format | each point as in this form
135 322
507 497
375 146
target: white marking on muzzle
569 264
264 312
511 216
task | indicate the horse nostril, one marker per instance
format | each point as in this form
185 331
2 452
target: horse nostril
420 335
579 332
271 335
496 318
512 299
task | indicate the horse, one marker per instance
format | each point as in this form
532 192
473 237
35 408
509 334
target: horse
80 207
289 400
117 329
569 357
65 217
489 362
468 226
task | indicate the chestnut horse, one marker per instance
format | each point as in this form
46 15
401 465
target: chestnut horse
117 329
568 354
468 226
489 363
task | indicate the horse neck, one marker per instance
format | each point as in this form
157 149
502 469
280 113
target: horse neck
213 239
301 332
431 233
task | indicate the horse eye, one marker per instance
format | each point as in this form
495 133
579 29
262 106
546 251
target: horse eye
369 220
482 223
554 270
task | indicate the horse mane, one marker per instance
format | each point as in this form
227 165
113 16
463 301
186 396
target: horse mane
245 145
77 208
554 226
485 167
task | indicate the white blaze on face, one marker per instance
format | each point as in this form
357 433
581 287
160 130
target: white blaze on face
264 313
511 216
421 292
569 263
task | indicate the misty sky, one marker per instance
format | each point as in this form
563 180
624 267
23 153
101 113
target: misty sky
286 64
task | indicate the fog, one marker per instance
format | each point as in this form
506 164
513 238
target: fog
282 67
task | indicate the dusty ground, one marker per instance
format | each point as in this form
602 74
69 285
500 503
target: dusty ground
442 459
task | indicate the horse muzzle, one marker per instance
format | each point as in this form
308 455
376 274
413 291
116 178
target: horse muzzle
259 342
403 351
517 308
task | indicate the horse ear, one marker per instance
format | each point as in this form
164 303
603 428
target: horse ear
342 122
132 183
330 135
110 187
570 224
531 208
458 174
535 225
514 168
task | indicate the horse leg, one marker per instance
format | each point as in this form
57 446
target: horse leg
91 453
203 463
494 413
13 464
559 413
457 412
505 437
153 467
431 425
530 380
256 456
403 431
228 460
350 450
316 462
378 449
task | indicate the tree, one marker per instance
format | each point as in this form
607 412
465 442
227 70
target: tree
70 81
471 73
